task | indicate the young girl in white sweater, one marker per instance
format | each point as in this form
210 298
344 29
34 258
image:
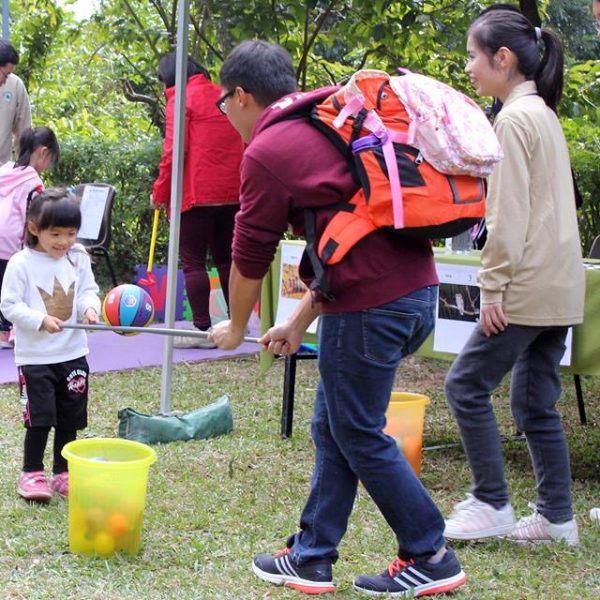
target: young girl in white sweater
47 284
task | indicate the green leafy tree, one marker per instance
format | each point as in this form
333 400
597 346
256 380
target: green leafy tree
95 82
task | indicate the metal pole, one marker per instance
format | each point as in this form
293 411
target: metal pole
183 14
195 333
5 28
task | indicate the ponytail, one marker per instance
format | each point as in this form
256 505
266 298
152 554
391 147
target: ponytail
31 140
549 78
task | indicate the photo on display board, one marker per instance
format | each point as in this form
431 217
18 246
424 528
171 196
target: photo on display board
459 302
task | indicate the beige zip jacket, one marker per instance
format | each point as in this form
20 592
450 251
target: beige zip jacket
532 259
15 115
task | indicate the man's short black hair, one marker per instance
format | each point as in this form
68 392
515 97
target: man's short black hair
262 69
8 54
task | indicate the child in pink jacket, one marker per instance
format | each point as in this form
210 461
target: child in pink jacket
38 150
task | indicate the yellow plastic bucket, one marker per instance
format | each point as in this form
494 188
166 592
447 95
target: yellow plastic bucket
107 494
405 416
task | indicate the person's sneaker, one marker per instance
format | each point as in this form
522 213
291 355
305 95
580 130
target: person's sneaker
536 529
33 486
314 577
473 519
410 579
60 484
184 341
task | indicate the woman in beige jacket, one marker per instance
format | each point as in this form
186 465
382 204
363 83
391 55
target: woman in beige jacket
532 286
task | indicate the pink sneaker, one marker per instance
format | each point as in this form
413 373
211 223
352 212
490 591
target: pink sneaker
33 486
60 484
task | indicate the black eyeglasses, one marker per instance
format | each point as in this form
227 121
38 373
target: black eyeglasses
220 103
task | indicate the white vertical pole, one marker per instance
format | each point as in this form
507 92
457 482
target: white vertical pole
183 13
5 28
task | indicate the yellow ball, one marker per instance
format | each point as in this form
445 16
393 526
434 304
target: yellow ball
81 543
94 518
104 544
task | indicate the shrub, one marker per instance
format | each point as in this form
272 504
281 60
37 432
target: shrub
584 147
132 169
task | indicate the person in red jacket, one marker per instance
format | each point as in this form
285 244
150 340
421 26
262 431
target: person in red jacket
211 181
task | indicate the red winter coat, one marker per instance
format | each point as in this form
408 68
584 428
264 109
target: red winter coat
213 150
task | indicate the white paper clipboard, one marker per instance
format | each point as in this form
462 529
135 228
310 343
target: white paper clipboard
93 205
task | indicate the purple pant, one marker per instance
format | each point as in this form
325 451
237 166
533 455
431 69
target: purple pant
204 229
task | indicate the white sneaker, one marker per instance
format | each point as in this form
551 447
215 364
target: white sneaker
537 529
472 519
184 341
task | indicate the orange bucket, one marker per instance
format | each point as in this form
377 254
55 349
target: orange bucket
405 416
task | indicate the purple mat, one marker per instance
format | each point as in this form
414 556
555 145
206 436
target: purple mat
112 352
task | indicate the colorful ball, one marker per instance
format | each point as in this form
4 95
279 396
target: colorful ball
117 524
128 305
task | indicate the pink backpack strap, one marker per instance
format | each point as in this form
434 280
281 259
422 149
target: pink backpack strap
351 109
389 154
374 123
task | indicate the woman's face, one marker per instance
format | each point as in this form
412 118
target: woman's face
485 77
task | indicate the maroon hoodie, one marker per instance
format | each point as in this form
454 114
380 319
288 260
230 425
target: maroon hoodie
290 165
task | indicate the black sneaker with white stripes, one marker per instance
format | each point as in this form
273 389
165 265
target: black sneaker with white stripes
409 579
314 577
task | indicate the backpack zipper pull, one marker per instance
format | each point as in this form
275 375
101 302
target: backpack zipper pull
420 159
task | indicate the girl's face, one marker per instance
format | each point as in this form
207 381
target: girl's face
485 78
56 241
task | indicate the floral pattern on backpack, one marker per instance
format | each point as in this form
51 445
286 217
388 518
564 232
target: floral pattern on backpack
450 129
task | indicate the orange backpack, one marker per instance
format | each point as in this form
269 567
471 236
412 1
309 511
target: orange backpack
370 125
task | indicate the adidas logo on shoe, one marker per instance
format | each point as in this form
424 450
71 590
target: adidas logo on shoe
536 529
410 580
473 519
314 577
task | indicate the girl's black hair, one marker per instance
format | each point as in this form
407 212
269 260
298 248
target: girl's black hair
31 140
505 26
167 69
54 207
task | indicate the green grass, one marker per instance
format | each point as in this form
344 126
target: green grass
213 504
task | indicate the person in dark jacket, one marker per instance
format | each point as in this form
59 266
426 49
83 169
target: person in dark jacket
385 293
211 180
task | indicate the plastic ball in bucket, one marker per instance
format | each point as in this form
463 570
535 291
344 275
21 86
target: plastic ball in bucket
405 416
128 305
107 494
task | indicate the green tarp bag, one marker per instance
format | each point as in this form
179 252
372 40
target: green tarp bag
214 419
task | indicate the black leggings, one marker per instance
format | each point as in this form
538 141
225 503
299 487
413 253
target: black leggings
36 439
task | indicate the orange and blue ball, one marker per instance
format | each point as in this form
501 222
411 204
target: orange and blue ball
128 305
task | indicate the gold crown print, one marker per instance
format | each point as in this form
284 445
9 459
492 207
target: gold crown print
58 304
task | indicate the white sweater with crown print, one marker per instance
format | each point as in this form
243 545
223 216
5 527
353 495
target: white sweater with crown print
36 285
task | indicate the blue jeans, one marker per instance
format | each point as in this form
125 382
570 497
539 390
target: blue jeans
533 354
358 356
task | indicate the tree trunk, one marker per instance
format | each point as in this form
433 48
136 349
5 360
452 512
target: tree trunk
530 10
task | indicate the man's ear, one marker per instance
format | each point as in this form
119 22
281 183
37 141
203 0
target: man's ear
242 97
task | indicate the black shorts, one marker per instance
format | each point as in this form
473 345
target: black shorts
55 395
